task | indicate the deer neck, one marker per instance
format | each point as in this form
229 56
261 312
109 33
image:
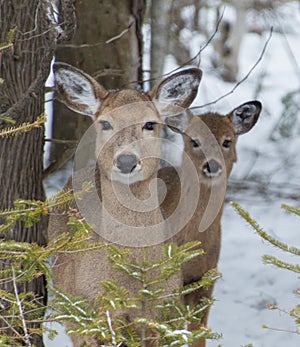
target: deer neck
210 202
191 203
134 204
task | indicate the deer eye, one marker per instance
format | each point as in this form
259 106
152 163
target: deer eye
195 143
149 126
105 125
226 143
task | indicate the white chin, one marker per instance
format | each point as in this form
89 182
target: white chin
212 174
130 178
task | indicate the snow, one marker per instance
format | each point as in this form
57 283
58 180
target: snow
248 285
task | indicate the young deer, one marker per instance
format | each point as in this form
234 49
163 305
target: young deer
210 144
122 209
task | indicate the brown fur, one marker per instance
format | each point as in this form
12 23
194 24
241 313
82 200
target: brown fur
81 274
210 130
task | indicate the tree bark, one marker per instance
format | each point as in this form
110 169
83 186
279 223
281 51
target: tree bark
228 43
160 11
24 69
107 44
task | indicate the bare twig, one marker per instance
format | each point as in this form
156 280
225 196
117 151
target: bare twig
19 303
262 189
88 45
245 77
188 61
282 330
8 326
203 47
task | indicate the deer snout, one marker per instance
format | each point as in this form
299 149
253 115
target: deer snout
212 168
126 163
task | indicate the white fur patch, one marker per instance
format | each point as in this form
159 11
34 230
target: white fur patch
135 176
172 148
178 88
78 92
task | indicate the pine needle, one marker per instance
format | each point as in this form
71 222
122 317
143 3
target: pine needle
23 128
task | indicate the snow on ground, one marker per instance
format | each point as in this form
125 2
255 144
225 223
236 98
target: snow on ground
248 285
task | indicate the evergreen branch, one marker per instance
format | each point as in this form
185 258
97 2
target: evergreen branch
4 118
10 40
30 211
291 209
66 197
207 280
267 259
245 215
8 341
23 128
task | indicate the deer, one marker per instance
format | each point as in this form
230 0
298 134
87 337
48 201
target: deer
127 125
210 145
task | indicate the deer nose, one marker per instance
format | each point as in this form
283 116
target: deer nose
126 163
212 168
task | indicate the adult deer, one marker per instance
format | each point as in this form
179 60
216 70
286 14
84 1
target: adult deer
210 143
127 125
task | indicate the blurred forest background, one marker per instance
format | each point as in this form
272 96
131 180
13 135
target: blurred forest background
133 43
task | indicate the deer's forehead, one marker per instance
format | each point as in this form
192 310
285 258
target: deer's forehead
215 124
130 116
130 107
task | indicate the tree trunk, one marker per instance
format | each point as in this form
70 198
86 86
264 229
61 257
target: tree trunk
228 43
24 69
160 11
107 44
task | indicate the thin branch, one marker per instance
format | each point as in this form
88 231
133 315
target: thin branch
281 330
185 63
88 45
26 333
25 127
245 77
113 334
62 141
9 326
201 48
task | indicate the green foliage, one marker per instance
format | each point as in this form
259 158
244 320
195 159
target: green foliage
17 309
24 261
105 319
268 259
9 44
30 211
23 128
10 40
3 117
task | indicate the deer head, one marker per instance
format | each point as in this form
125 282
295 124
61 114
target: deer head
127 122
210 138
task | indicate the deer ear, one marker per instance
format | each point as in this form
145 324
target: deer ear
78 90
179 89
179 122
245 116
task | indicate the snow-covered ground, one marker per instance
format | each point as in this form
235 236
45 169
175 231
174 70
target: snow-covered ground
248 285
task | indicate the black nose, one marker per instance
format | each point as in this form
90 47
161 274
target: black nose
126 163
212 168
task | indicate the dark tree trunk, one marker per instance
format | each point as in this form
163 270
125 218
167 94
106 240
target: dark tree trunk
107 44
24 69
